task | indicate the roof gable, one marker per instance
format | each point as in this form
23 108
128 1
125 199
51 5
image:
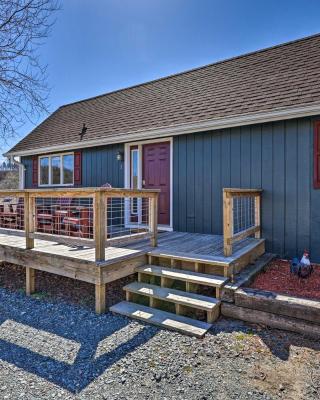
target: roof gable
272 79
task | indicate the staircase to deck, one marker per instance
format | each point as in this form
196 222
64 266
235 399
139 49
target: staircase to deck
173 297
180 287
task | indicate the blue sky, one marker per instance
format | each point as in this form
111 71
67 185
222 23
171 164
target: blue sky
97 46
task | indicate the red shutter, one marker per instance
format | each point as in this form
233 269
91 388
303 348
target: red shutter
35 171
77 167
316 159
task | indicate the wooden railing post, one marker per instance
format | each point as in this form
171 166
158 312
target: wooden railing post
153 218
257 215
99 225
227 223
29 219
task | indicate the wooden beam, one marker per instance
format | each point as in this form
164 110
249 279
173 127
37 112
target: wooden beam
100 292
81 192
305 328
280 304
99 207
243 234
30 281
244 192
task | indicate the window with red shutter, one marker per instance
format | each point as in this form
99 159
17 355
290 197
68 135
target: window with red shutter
77 168
316 161
35 171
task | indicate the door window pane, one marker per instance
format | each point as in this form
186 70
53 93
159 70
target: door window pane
68 167
55 170
134 178
134 169
44 171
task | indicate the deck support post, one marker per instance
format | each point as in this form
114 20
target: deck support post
29 216
100 298
30 281
100 225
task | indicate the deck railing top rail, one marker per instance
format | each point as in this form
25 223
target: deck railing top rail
80 191
81 216
241 215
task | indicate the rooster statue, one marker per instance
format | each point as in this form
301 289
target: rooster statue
302 268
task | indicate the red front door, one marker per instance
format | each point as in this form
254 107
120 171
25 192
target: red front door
156 175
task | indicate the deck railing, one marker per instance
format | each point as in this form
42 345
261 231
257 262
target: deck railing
241 216
93 217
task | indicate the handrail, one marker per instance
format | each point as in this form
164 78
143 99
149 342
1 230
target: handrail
101 203
248 204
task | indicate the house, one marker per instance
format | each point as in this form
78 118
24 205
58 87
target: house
251 121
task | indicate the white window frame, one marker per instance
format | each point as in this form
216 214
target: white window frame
50 174
135 150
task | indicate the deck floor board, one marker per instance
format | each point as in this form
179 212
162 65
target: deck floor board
191 244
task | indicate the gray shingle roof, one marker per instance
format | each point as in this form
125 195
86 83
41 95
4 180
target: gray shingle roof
278 77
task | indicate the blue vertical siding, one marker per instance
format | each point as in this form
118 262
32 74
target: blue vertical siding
278 157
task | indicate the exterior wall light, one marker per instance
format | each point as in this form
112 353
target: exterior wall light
119 156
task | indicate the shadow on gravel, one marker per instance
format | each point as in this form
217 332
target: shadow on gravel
279 342
38 337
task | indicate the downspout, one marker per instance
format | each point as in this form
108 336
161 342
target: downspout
22 172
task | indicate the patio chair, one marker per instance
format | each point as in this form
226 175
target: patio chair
74 219
11 213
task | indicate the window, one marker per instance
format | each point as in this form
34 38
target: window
44 171
316 144
68 169
56 170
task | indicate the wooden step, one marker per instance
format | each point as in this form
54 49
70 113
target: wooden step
183 275
181 299
192 257
163 319
174 296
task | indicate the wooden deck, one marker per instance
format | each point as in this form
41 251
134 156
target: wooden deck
55 247
197 252
79 262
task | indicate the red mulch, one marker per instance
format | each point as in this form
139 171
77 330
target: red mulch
277 278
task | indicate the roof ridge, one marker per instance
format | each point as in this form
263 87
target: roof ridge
193 69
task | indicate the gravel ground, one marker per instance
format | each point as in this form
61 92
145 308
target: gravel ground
61 350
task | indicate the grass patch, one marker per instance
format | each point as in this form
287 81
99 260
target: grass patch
187 369
243 336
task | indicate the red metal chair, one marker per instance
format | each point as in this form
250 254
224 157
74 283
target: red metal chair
78 222
11 213
74 219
